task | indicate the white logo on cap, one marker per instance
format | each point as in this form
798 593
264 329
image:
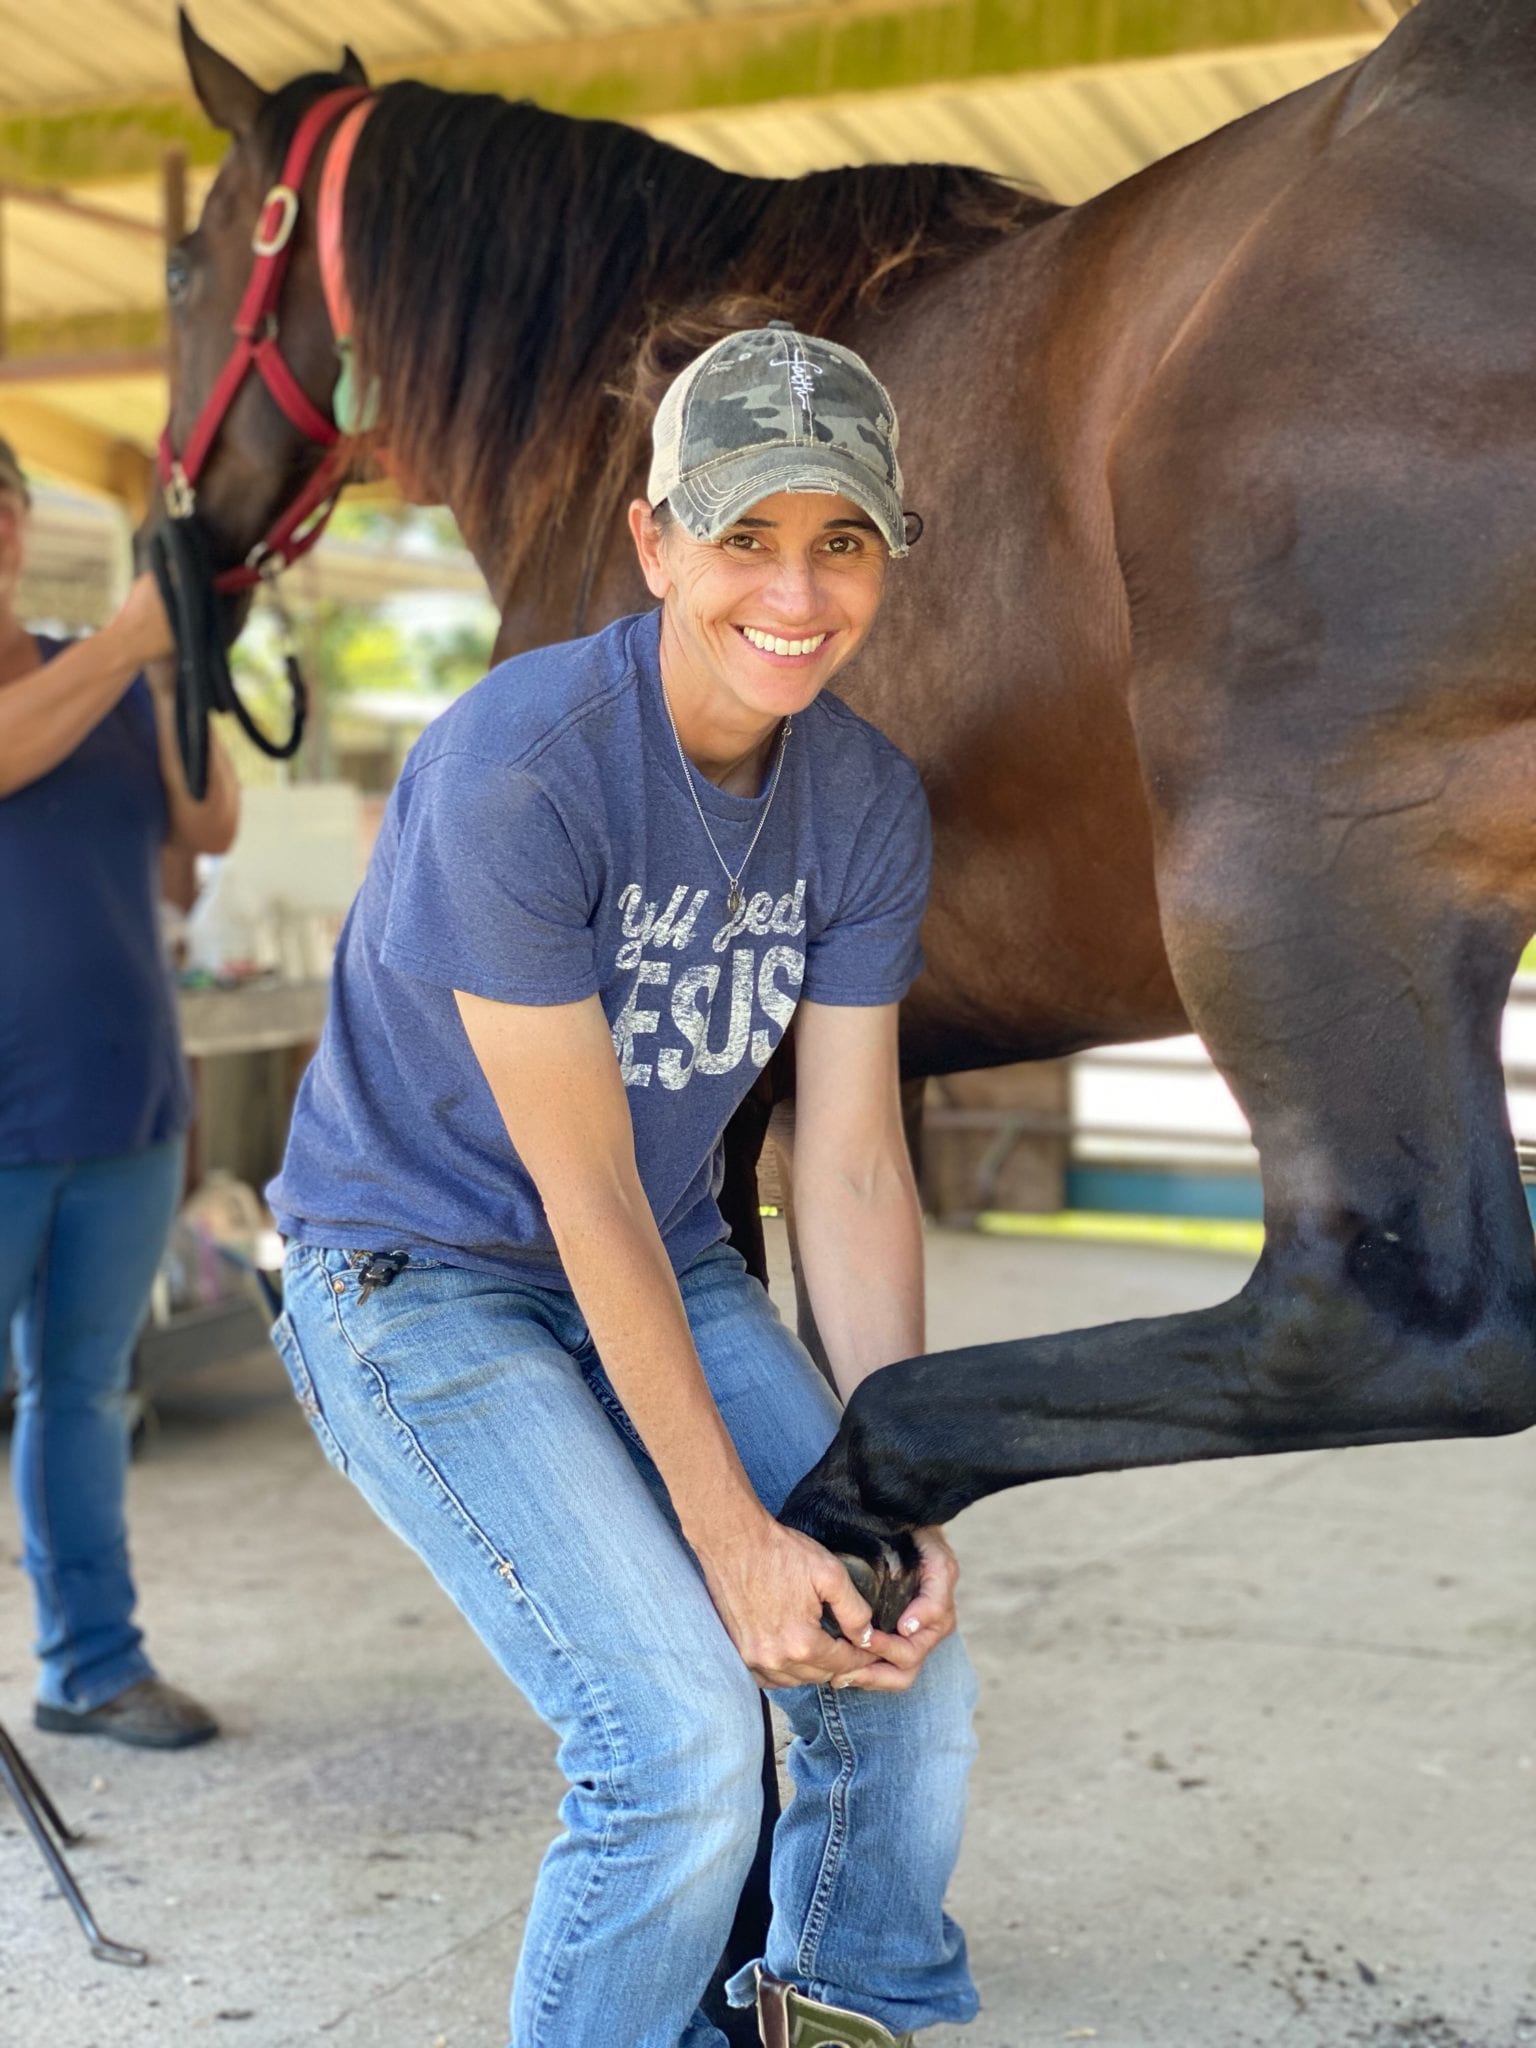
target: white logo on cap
802 373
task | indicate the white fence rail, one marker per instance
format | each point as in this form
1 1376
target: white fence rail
1164 1104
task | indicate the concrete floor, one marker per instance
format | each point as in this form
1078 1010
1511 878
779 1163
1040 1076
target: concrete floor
1258 1745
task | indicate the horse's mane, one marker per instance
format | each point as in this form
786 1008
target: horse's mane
505 262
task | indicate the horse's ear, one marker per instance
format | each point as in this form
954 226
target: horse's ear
229 99
352 67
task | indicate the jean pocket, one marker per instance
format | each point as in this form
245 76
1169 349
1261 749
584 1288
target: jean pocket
285 1342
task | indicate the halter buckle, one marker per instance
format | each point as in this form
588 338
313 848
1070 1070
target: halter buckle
180 497
270 241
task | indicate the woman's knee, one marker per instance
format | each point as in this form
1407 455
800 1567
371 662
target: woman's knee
688 1761
713 1746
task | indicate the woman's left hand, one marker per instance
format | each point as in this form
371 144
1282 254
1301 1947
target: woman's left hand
927 1620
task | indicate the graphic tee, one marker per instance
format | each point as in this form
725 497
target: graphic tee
542 846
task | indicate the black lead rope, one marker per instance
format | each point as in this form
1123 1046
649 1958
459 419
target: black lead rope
181 560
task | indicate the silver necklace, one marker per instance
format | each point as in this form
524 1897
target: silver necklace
733 899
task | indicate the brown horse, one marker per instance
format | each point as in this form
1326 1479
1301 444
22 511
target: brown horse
1216 656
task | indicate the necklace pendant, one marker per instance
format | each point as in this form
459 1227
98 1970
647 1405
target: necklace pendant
733 901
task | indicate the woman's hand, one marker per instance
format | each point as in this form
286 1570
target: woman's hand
769 1585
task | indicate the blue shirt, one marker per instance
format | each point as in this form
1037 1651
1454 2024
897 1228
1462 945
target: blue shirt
542 846
90 1053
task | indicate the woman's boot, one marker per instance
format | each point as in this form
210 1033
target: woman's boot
786 2018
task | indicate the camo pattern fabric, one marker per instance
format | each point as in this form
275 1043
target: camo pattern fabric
771 410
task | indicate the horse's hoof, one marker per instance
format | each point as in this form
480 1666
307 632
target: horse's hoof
889 1584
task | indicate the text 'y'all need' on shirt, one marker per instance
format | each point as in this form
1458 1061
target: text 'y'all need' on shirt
542 846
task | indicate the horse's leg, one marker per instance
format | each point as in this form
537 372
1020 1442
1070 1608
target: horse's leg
1332 707
749 1931
743 1144
1395 1298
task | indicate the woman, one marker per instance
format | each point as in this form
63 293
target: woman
604 880
93 1104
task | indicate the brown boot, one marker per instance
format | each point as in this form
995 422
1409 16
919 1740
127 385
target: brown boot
148 1715
786 2018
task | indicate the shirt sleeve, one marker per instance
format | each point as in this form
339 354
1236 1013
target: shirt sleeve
869 953
488 893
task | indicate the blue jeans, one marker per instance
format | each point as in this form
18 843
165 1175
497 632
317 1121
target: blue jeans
79 1244
476 1418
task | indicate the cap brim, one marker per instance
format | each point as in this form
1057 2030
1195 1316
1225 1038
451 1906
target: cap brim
715 496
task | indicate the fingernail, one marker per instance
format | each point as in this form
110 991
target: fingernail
910 1626
839 1685
864 1638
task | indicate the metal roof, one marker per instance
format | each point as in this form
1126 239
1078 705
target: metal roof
1070 133
90 50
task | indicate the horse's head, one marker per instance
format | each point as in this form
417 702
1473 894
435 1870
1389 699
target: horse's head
253 449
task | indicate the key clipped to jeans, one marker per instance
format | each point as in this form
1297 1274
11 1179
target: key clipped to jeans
380 1269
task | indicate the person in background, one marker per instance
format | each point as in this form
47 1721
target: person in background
94 1104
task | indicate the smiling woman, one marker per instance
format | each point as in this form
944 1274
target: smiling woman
609 878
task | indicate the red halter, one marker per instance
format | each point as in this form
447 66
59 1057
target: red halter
296 529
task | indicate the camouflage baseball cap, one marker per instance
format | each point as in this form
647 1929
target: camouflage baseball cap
771 409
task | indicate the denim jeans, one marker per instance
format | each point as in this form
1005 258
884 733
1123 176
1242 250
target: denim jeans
477 1419
79 1244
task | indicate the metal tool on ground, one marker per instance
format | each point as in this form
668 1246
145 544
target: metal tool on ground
52 1836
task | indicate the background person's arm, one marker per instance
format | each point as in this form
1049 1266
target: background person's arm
45 716
555 1078
860 1232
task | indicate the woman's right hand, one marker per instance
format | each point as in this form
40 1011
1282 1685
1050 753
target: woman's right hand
769 1584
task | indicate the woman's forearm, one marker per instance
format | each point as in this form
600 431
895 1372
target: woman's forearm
200 825
44 716
624 1285
861 1247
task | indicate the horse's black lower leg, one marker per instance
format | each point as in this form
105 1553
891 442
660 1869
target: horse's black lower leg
1396 1296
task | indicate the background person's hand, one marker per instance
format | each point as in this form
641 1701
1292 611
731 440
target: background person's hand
140 623
769 1585
161 675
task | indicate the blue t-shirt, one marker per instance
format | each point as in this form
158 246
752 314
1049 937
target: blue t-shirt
90 1052
542 846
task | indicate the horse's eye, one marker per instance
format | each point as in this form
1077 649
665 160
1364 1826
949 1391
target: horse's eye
178 276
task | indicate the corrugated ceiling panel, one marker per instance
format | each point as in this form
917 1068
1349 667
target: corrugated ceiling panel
85 49
53 271
123 409
1071 133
